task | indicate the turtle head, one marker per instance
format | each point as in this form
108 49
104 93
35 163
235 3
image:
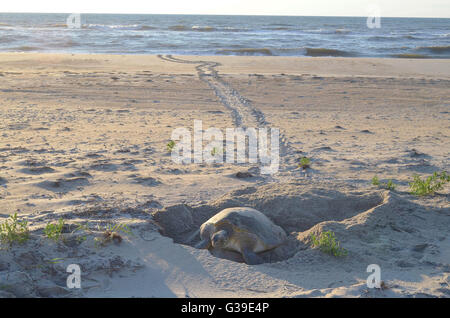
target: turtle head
219 239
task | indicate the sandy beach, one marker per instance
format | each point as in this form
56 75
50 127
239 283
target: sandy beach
83 138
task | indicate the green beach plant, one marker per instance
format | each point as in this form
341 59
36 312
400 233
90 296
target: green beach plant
170 146
327 243
56 260
82 228
429 185
54 230
390 185
215 151
13 230
375 181
118 228
304 163
112 234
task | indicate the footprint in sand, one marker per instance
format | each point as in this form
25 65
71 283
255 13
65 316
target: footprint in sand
93 155
123 150
33 163
63 184
243 175
37 170
413 153
145 181
170 170
78 174
325 148
422 166
104 166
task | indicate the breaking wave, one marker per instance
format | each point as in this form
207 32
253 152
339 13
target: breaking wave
24 48
203 28
146 27
179 28
247 51
316 52
380 38
410 56
435 49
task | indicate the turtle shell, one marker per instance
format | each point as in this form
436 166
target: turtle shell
251 221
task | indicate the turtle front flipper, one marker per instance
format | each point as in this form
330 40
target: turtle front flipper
203 244
251 258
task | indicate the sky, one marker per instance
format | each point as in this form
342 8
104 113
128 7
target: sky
388 8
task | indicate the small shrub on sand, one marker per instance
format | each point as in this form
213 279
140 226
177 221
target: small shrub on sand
13 230
53 231
112 234
215 151
170 146
56 260
327 243
118 228
82 228
390 185
304 163
375 181
430 185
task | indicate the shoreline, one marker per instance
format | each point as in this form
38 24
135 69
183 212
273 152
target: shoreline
323 66
408 56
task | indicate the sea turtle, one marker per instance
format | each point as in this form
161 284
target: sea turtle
244 230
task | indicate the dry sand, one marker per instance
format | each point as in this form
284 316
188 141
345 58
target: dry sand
83 138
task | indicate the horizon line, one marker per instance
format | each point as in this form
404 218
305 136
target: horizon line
217 14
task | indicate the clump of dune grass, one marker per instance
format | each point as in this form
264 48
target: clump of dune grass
390 185
429 185
12 230
53 231
215 151
328 244
375 181
170 146
112 234
305 163
56 260
82 228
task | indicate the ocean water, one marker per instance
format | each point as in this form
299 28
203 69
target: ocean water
226 35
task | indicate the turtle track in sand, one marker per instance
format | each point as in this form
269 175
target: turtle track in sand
243 113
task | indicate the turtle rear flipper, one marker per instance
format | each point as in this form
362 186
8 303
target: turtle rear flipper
204 244
251 258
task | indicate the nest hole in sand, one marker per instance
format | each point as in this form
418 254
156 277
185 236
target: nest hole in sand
295 210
